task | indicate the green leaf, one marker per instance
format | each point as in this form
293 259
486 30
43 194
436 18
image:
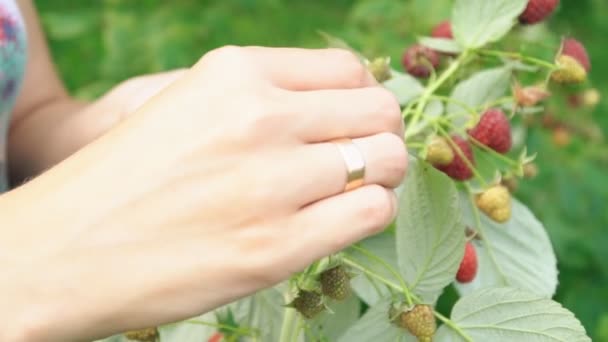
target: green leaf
335 42
478 91
338 43
476 23
330 325
404 87
508 314
430 233
375 325
263 311
383 246
519 253
441 44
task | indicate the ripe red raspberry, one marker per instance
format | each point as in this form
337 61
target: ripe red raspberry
575 49
493 131
443 30
217 337
468 265
458 169
537 11
419 61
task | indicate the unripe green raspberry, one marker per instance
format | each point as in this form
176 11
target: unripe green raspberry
569 71
335 283
496 203
143 335
308 303
439 152
380 68
420 322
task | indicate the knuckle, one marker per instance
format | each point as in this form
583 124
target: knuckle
379 208
355 70
224 54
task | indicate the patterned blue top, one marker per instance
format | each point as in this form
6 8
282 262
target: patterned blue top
12 66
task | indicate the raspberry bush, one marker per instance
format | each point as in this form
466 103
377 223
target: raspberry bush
458 224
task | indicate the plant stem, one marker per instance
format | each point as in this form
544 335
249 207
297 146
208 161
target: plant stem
463 105
495 154
518 56
372 274
240 331
394 272
289 319
432 88
453 326
287 325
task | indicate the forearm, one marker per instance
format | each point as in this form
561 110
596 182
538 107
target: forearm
51 133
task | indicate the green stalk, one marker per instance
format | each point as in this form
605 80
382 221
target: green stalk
432 88
518 56
240 331
389 268
452 326
287 327
372 274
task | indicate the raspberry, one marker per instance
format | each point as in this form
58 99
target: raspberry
468 266
530 170
591 98
575 49
380 68
537 11
530 96
458 168
308 303
570 71
335 283
561 136
217 337
443 30
420 61
144 335
420 322
439 152
496 203
511 183
493 131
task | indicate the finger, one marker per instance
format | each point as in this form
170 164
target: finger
332 224
322 169
331 114
308 69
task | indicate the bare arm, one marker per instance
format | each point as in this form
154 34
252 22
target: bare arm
44 112
48 125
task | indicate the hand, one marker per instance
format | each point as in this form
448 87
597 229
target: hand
128 96
221 185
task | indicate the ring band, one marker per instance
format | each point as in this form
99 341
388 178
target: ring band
355 164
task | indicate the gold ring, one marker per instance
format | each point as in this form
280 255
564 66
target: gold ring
355 164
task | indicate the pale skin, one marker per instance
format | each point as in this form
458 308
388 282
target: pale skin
223 183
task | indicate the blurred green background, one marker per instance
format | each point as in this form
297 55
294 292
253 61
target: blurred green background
99 43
